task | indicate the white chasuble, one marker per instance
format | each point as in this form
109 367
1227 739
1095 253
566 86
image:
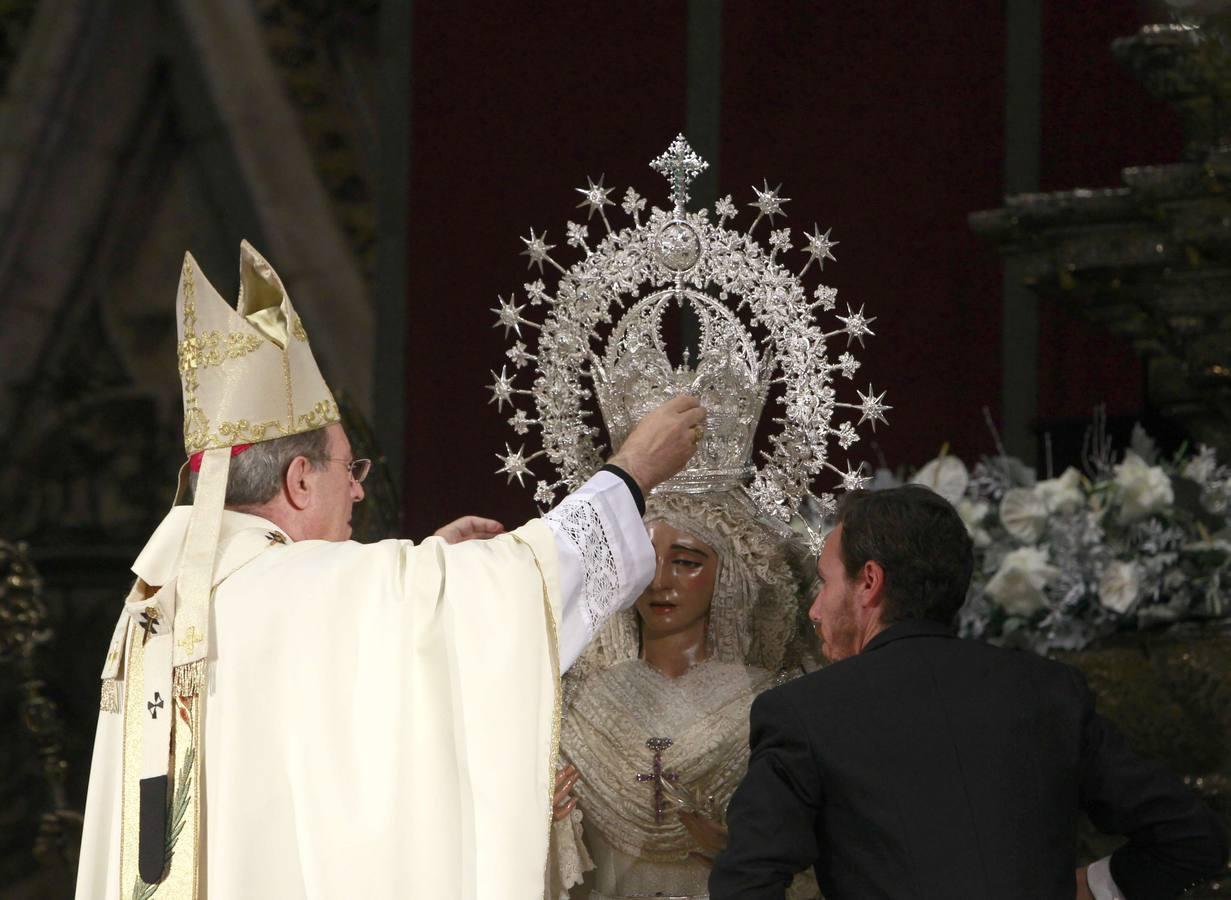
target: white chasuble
380 720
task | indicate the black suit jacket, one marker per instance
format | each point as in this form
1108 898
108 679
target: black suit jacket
933 768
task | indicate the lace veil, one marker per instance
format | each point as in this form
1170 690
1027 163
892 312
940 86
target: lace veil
758 611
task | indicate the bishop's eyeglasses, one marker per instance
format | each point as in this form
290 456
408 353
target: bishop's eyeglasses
358 468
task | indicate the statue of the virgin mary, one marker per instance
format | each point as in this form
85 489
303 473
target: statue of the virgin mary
655 727
655 731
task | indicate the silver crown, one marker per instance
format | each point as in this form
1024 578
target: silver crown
757 330
635 375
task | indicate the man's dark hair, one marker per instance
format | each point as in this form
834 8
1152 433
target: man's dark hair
919 540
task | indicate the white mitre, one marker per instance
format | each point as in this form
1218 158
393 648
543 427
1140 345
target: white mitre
248 374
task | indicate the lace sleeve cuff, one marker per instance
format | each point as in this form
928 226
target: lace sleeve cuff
606 559
567 859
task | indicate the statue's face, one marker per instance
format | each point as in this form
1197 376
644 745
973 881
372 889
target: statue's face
685 572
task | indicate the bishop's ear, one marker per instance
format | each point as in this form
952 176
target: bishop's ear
297 483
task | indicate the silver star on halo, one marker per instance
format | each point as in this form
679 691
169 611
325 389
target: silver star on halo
819 245
596 196
856 325
854 479
536 248
508 314
872 408
513 464
502 389
768 203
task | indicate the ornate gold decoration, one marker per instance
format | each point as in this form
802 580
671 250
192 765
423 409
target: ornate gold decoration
245 432
179 881
212 349
319 416
191 639
260 346
196 423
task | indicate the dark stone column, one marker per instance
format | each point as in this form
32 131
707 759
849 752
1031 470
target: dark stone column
1019 341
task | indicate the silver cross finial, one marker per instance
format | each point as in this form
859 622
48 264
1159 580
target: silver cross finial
679 165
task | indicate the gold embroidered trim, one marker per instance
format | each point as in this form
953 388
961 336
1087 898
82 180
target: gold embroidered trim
289 388
213 349
297 330
188 680
324 413
245 432
109 698
186 826
196 423
553 647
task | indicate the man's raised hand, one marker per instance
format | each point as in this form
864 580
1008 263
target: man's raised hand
662 442
469 528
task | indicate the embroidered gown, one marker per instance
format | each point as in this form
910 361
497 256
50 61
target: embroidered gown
625 825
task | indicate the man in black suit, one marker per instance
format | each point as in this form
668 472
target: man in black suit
922 766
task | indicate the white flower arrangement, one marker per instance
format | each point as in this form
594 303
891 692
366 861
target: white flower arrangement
1062 562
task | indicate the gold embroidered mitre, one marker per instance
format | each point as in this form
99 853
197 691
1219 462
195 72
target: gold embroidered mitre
248 374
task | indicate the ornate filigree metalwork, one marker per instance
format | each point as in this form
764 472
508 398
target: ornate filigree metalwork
600 338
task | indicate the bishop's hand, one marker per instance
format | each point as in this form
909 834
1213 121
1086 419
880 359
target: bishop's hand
469 528
662 442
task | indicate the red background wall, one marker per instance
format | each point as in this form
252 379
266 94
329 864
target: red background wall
884 121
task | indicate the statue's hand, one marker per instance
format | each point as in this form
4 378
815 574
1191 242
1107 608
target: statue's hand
562 803
709 835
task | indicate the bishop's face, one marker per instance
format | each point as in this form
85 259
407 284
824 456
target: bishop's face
833 612
686 569
334 491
